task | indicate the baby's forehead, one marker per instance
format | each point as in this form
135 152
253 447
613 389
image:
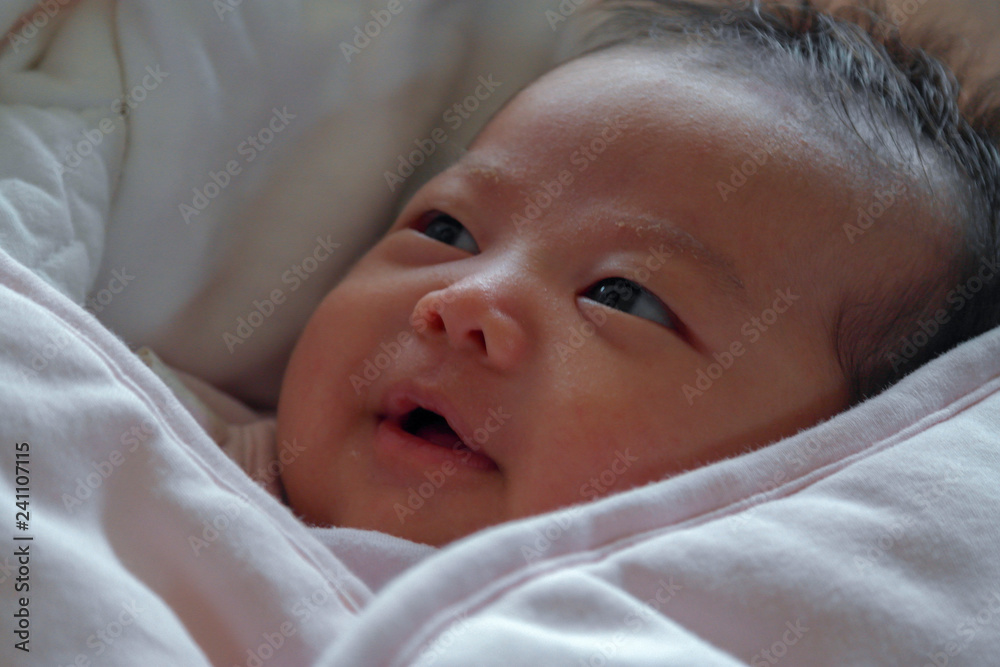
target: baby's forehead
776 93
666 93
724 143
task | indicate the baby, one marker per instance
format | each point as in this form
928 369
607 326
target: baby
718 227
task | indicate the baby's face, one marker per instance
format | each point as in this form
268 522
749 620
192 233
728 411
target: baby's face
581 304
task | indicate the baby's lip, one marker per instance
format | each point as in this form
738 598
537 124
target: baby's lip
402 398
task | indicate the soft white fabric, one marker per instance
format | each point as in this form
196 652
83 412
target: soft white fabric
871 539
375 558
249 440
132 505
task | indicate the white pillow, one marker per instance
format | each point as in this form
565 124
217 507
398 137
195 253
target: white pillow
213 250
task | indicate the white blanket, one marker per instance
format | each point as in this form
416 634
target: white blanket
871 539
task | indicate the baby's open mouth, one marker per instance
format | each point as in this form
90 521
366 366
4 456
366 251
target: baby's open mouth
433 428
414 415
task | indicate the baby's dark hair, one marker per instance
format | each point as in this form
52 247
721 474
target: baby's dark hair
856 59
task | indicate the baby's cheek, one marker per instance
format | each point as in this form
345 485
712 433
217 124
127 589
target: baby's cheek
605 471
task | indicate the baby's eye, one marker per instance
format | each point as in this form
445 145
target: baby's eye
631 298
447 229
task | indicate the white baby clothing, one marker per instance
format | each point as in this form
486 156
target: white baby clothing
249 439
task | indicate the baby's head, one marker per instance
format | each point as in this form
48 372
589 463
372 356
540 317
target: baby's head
719 228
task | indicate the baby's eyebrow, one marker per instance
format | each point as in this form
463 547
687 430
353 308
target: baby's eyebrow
648 232
672 240
479 171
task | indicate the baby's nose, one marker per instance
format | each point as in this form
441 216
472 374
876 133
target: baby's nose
474 320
